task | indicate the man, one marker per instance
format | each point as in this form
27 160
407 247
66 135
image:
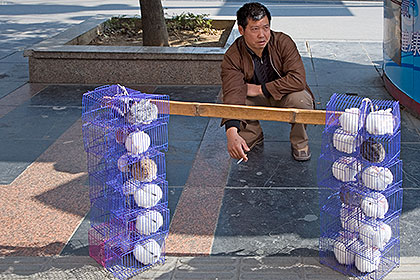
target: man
264 68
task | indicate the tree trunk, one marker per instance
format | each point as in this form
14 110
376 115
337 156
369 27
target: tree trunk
155 32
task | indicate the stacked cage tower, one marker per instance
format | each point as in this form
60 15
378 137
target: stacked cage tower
125 133
360 184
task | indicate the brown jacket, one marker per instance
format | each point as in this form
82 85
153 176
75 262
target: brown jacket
238 69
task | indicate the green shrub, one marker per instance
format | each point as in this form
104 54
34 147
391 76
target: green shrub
190 21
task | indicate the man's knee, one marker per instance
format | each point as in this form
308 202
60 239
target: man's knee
300 100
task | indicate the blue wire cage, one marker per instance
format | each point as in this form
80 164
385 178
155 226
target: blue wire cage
363 128
141 223
360 183
124 134
123 107
109 140
134 255
345 253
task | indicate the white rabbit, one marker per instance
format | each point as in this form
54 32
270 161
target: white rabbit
149 222
380 122
351 218
342 251
367 259
375 235
345 169
147 253
137 142
375 205
148 195
349 120
377 178
346 142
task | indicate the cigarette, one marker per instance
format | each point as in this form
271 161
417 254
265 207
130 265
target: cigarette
239 161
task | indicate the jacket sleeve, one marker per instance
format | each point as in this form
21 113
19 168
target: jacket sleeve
234 87
292 71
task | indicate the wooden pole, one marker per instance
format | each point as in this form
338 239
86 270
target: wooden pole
243 112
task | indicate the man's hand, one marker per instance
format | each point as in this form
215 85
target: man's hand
236 144
253 90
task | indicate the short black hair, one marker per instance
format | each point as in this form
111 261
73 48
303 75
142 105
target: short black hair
254 10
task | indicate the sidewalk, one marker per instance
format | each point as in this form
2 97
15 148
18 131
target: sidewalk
202 268
256 220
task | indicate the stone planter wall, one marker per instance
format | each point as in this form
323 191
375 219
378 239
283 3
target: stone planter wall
59 60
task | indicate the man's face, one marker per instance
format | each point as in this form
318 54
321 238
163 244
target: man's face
256 34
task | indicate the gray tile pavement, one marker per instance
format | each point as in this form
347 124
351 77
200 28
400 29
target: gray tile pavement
199 268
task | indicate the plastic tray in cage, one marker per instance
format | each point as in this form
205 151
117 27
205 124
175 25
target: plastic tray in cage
348 255
141 255
98 236
124 105
375 149
335 171
352 113
141 223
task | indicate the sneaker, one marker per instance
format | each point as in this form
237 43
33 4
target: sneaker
301 154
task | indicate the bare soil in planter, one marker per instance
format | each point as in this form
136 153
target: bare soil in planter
128 32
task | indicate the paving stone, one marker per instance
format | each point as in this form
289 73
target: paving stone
61 95
78 245
409 156
348 75
284 267
174 193
374 51
9 86
190 93
272 165
17 154
179 160
328 53
152 275
204 261
13 72
15 57
332 276
161 272
208 275
185 128
20 269
403 275
261 222
276 276
206 268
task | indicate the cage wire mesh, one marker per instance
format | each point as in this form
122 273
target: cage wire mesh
143 222
360 183
136 255
125 133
